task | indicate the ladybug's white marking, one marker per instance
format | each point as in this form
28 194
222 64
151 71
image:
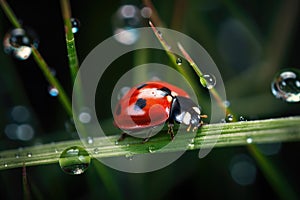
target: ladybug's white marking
151 93
197 110
169 98
134 110
174 94
187 118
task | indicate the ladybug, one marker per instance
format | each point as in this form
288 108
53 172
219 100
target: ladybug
154 103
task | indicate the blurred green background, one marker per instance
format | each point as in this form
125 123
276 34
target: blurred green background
248 40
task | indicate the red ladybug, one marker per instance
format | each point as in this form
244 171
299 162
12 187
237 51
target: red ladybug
153 103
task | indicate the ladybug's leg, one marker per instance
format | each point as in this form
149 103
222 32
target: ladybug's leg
170 129
122 137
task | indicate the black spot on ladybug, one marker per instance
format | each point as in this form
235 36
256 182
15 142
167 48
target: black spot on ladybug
118 111
167 90
141 86
140 104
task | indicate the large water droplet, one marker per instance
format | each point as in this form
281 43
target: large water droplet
18 41
75 25
74 160
208 81
286 85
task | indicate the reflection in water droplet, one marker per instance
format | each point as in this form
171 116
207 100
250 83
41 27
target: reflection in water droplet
286 85
208 81
18 41
75 25
53 91
179 61
129 156
74 160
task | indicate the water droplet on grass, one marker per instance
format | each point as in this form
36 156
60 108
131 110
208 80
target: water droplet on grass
18 41
286 85
179 61
75 25
53 91
229 118
29 154
74 160
208 81
129 156
249 140
151 149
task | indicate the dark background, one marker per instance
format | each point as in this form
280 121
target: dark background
249 41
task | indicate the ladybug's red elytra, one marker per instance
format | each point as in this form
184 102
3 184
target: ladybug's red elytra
153 103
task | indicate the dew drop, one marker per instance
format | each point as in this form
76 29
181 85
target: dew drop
129 156
286 85
241 118
17 155
75 25
5 165
208 81
116 142
18 41
179 61
53 91
96 151
74 160
151 149
90 140
229 118
29 154
249 140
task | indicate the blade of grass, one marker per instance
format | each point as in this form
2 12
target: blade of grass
70 41
26 189
273 175
52 80
233 134
10 14
40 61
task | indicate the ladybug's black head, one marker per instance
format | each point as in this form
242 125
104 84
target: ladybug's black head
185 111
